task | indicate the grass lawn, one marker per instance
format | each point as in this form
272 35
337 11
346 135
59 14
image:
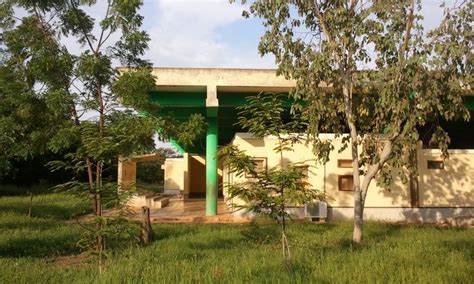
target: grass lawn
42 249
36 188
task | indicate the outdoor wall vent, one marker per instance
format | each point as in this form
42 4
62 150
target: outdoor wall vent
317 209
344 163
435 165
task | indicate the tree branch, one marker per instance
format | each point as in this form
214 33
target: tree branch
374 168
100 42
404 48
324 27
86 36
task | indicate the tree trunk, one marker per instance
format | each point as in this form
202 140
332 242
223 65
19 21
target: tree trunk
358 217
414 197
31 205
146 236
359 196
100 241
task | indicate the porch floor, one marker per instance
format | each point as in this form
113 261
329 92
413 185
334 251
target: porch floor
194 211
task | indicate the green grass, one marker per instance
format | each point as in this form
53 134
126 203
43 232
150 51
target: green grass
33 250
14 190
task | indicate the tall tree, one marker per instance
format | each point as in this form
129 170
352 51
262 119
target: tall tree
368 68
75 85
79 83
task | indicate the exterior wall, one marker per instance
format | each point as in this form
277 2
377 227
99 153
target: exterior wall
398 195
175 170
440 191
187 175
263 148
456 216
127 172
186 183
452 186
197 171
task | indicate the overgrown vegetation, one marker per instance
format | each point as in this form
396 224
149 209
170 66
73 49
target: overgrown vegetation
42 249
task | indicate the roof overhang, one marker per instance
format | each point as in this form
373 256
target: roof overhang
221 79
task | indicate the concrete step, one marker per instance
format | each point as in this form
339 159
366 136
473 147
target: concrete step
157 201
176 197
160 202
153 200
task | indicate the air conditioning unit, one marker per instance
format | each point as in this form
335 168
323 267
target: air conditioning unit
316 209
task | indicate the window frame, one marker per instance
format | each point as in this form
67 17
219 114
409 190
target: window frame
340 180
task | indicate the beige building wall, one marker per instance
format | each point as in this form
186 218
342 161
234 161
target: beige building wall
451 187
127 172
398 195
263 148
187 175
174 173
443 194
197 174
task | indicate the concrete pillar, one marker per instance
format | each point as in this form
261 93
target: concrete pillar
127 173
211 163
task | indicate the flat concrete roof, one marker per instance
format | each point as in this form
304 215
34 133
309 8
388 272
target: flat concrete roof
184 79
220 79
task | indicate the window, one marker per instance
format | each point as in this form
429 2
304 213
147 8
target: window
435 165
260 166
346 183
344 163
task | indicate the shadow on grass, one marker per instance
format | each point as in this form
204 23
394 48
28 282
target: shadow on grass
41 246
297 233
338 237
30 224
316 228
261 234
305 271
465 247
380 232
14 190
42 210
169 231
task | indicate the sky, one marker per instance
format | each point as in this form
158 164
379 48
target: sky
210 33
202 33
213 33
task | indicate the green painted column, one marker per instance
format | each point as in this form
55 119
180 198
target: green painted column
211 165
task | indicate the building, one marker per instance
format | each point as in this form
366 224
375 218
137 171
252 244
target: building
444 188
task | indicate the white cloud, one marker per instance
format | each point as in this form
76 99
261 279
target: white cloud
185 34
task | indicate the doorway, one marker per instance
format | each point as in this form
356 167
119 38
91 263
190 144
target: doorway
197 177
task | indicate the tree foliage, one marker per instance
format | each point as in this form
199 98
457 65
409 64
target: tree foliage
368 68
269 192
69 98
